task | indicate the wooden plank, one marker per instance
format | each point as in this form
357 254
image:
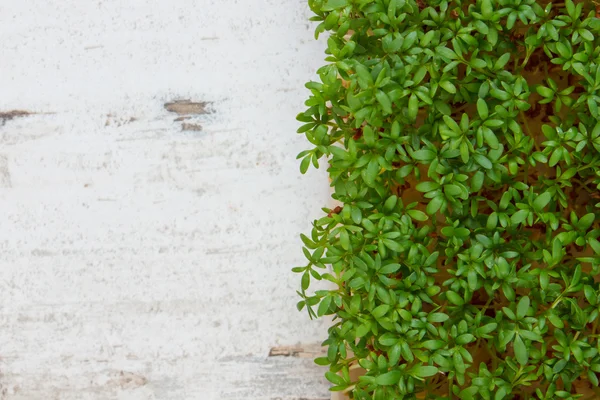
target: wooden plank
150 200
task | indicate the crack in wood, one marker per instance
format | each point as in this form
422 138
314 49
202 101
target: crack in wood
191 127
10 115
299 351
187 107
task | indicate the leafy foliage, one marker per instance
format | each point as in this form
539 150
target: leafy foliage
463 142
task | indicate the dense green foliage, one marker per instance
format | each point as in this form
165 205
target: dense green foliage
463 143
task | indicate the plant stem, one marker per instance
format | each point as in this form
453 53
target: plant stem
349 389
487 304
557 301
528 130
526 60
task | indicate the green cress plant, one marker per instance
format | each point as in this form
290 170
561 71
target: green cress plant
483 285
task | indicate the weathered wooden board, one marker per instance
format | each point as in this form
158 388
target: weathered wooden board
150 200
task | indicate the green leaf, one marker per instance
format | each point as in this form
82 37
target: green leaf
419 75
405 315
427 38
380 311
305 164
529 335
556 156
519 217
442 107
595 245
362 330
483 161
482 109
389 269
481 27
454 298
434 344
305 281
541 201
389 378
586 221
523 307
344 240
435 204
385 102
423 371
464 152
521 352
459 363
448 86
464 339
509 313
390 203
339 152
394 354
364 76
334 378
586 35
369 225
413 107
452 124
452 190
556 321
590 295
492 221
545 92
486 329
437 317
424 155
502 61
490 138
446 53
559 366
477 181
427 186
334 5
356 215
500 394
371 172
322 361
417 215
499 94
392 245
486 9
324 306
479 63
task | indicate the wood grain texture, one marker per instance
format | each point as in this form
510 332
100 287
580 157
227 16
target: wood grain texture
140 260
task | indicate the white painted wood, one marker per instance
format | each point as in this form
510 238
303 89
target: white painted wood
140 261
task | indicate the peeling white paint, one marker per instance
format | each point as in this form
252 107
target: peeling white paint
140 261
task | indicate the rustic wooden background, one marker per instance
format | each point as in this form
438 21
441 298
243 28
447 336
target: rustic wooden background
150 200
